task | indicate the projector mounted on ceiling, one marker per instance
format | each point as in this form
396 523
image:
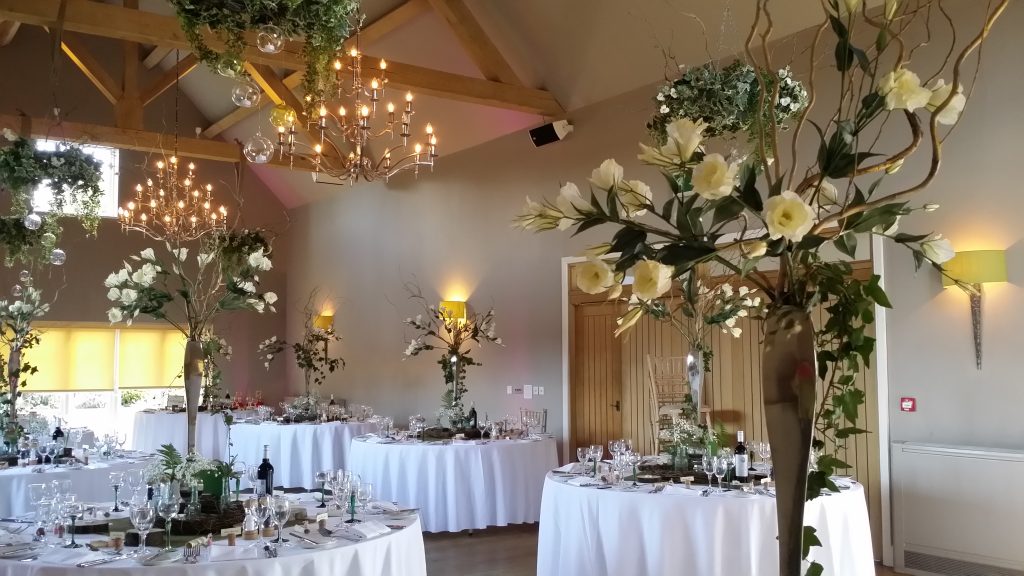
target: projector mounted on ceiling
551 132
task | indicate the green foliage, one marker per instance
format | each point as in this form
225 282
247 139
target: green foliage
130 397
322 24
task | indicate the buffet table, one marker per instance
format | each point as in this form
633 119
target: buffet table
298 451
585 531
91 483
459 486
154 429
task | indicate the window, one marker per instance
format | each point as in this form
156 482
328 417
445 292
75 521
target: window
109 157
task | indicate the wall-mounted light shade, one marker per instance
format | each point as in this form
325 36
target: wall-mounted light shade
976 267
323 321
453 309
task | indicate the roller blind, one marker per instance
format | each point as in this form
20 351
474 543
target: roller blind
72 360
150 358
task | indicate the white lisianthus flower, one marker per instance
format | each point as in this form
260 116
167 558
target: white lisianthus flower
537 217
788 216
851 6
951 113
122 276
128 296
572 205
594 276
597 250
247 287
753 249
256 304
607 176
113 294
258 261
10 135
651 279
270 297
180 254
828 194
111 280
938 249
714 178
662 157
890 8
903 91
114 315
148 255
684 137
627 320
204 259
634 198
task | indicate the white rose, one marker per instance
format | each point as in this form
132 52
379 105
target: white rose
147 255
607 175
951 113
594 276
114 315
10 135
903 91
113 294
788 216
571 204
938 249
270 297
634 197
684 136
128 296
714 178
651 279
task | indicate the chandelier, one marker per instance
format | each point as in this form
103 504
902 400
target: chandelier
173 207
343 137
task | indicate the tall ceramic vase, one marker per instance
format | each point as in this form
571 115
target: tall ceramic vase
13 377
789 377
695 378
193 388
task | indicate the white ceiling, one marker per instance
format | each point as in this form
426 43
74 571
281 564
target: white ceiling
583 51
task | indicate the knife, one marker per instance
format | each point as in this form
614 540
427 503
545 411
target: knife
311 541
17 521
18 550
99 561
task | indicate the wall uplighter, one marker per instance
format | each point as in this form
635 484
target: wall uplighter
976 268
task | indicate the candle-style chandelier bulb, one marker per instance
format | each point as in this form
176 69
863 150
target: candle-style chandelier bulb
177 208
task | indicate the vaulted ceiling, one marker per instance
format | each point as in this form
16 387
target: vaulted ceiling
542 58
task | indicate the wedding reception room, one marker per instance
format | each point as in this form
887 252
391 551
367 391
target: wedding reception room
510 287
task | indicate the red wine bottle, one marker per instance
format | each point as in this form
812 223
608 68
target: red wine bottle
265 472
741 461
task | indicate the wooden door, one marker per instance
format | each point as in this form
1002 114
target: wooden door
595 375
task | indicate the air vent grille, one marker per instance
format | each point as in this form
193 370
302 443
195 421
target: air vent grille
951 567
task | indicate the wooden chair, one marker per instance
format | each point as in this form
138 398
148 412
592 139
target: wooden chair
669 388
541 416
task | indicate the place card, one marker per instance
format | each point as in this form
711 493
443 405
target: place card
116 535
321 516
237 531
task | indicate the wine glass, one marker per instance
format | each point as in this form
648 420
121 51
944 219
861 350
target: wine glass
282 511
142 514
73 511
120 438
596 452
252 475
721 469
365 495
167 504
321 478
134 479
36 495
116 479
264 509
583 454
708 465
764 451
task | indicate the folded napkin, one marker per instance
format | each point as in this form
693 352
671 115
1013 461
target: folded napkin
224 553
71 556
464 441
584 481
843 483
384 507
573 468
679 489
361 531
374 439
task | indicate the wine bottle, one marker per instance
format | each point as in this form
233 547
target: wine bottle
472 417
57 433
741 461
265 472
332 402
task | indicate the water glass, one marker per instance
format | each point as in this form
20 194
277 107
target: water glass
321 478
73 511
583 454
134 480
116 479
282 511
143 515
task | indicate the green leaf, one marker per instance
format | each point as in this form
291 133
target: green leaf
844 56
837 25
903 238
727 209
748 188
847 244
848 431
876 293
666 210
587 224
683 255
810 538
815 569
811 242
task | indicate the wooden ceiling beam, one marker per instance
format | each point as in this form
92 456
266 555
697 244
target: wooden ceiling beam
274 86
82 57
239 114
128 110
156 56
391 21
8 28
110 21
475 41
169 77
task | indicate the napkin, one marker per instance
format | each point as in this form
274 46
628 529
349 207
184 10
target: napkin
843 483
71 557
584 481
313 535
464 441
678 489
572 468
361 531
223 553
384 506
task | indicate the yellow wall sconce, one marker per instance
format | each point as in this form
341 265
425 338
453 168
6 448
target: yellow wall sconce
453 309
976 268
324 321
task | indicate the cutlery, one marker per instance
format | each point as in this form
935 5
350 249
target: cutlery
99 561
17 550
270 551
17 521
313 542
29 559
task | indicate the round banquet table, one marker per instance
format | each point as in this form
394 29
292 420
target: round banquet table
298 451
460 485
587 531
399 553
91 483
154 429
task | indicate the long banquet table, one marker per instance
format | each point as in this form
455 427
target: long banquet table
90 483
298 451
586 531
459 486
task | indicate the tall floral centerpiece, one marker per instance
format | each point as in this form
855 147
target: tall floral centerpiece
215 348
747 215
440 329
17 336
312 353
189 292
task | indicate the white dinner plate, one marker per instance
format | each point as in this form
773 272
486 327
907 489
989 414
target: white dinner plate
162 558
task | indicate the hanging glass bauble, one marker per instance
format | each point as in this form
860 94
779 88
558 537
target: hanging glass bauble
48 239
270 39
282 116
245 94
25 276
259 150
16 290
229 68
33 221
58 257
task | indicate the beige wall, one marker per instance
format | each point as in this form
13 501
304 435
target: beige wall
26 87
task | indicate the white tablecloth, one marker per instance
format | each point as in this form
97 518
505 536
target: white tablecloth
298 451
459 486
399 553
91 484
593 532
154 429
